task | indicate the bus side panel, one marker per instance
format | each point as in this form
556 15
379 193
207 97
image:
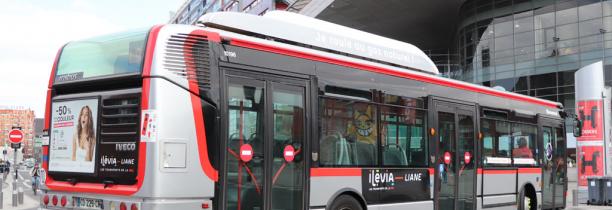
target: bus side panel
323 189
499 187
530 178
173 164
403 206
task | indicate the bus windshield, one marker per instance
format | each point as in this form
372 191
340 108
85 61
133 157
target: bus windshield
114 54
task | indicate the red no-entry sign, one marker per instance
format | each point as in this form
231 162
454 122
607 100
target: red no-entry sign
447 158
15 136
246 152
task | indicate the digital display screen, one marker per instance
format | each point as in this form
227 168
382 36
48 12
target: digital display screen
73 138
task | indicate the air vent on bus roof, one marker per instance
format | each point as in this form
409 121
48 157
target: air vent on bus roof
120 118
187 56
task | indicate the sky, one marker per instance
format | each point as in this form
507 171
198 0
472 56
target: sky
32 31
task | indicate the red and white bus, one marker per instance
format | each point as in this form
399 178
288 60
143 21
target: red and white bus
283 111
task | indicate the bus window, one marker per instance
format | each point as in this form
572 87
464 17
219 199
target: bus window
496 143
402 136
348 133
524 144
120 53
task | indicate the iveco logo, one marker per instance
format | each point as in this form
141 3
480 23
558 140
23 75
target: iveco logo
125 147
229 54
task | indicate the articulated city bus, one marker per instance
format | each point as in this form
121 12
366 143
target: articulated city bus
283 111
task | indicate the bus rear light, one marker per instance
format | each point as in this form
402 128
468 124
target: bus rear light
64 201
133 207
122 206
54 200
46 200
205 206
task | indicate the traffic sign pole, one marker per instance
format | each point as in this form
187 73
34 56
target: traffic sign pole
15 137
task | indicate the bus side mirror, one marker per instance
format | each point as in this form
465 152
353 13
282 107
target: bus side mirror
577 127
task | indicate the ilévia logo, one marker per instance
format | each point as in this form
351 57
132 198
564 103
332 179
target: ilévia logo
378 177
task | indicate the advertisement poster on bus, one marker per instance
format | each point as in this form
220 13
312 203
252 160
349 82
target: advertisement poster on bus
590 113
590 163
73 136
395 185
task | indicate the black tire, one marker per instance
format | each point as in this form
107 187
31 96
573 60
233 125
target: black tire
346 202
526 199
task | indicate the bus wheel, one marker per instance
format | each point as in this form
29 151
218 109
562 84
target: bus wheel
346 202
526 201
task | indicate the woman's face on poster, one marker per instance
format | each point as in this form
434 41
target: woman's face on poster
85 118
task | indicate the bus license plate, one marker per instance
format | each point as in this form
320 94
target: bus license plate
88 203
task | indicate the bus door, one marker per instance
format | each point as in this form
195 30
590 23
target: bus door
554 168
455 165
265 132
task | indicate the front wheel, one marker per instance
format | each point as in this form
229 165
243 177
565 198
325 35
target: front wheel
346 202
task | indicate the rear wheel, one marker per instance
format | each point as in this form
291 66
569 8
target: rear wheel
346 202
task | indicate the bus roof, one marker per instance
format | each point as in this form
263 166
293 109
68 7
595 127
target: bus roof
321 34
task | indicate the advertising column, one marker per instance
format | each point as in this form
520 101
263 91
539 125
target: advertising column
590 153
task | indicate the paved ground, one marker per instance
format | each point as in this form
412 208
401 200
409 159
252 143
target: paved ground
30 201
572 176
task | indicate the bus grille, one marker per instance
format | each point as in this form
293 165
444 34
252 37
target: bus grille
185 51
120 118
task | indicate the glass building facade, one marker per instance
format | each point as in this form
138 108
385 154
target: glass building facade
533 47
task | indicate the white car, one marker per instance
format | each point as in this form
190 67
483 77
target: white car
29 163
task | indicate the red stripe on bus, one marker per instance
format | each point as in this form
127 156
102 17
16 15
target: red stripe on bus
485 171
530 170
49 86
148 61
142 151
196 104
314 172
408 75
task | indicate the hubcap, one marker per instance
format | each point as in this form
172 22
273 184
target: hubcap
527 203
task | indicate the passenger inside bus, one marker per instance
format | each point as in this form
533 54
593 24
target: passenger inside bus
523 150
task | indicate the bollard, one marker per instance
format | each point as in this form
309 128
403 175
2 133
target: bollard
20 195
14 198
574 197
1 193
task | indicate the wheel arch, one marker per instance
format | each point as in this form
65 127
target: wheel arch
347 191
529 189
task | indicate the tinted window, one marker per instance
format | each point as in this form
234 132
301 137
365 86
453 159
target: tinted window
496 142
348 133
402 136
524 144
119 53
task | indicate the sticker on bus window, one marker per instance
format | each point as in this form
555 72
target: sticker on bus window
148 126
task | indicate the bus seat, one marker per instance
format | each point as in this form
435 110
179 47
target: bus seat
394 155
365 154
328 154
